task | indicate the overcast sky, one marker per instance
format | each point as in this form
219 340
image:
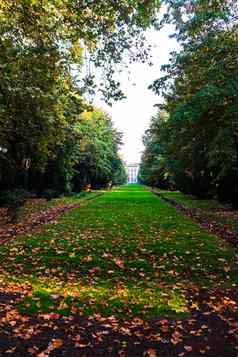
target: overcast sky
132 115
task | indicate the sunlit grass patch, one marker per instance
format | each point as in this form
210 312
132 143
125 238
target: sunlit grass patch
119 301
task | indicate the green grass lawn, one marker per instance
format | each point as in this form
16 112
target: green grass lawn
212 208
37 206
193 202
126 253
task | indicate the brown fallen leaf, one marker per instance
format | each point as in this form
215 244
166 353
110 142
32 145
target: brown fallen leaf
43 354
151 352
57 343
32 350
188 348
119 263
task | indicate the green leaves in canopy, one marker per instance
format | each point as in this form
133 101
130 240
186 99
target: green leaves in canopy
200 95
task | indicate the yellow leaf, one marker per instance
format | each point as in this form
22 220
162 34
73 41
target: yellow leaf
57 343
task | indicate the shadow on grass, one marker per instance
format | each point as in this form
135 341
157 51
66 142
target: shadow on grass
208 331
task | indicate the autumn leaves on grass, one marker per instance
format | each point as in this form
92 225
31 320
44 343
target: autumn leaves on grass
126 253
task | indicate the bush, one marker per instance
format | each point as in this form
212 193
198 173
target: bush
227 190
196 184
80 194
15 197
50 194
13 200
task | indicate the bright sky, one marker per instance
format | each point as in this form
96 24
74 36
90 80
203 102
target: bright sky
132 115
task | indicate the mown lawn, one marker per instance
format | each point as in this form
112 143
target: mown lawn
212 208
37 206
126 253
193 202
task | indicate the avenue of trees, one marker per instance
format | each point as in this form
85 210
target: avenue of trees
192 142
51 138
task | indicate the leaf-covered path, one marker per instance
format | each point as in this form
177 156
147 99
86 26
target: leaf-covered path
124 275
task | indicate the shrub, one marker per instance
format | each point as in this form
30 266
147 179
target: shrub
50 194
13 200
227 190
79 194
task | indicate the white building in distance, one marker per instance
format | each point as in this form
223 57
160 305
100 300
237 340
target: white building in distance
132 173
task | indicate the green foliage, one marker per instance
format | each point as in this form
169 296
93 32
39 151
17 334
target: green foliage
13 200
120 173
98 161
50 194
154 170
200 93
15 197
43 45
88 156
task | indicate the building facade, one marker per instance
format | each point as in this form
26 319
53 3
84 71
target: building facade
132 173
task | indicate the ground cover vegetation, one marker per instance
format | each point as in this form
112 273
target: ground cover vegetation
120 261
36 212
192 141
214 217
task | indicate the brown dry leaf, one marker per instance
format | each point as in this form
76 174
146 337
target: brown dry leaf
11 350
119 263
157 338
57 343
188 348
151 352
107 255
77 338
43 354
32 350
165 329
82 345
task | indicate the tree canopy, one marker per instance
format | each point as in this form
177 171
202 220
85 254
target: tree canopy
44 47
199 91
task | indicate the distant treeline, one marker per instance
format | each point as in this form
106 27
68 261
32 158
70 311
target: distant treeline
88 156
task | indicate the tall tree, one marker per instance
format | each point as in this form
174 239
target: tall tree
200 94
154 168
42 47
98 161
